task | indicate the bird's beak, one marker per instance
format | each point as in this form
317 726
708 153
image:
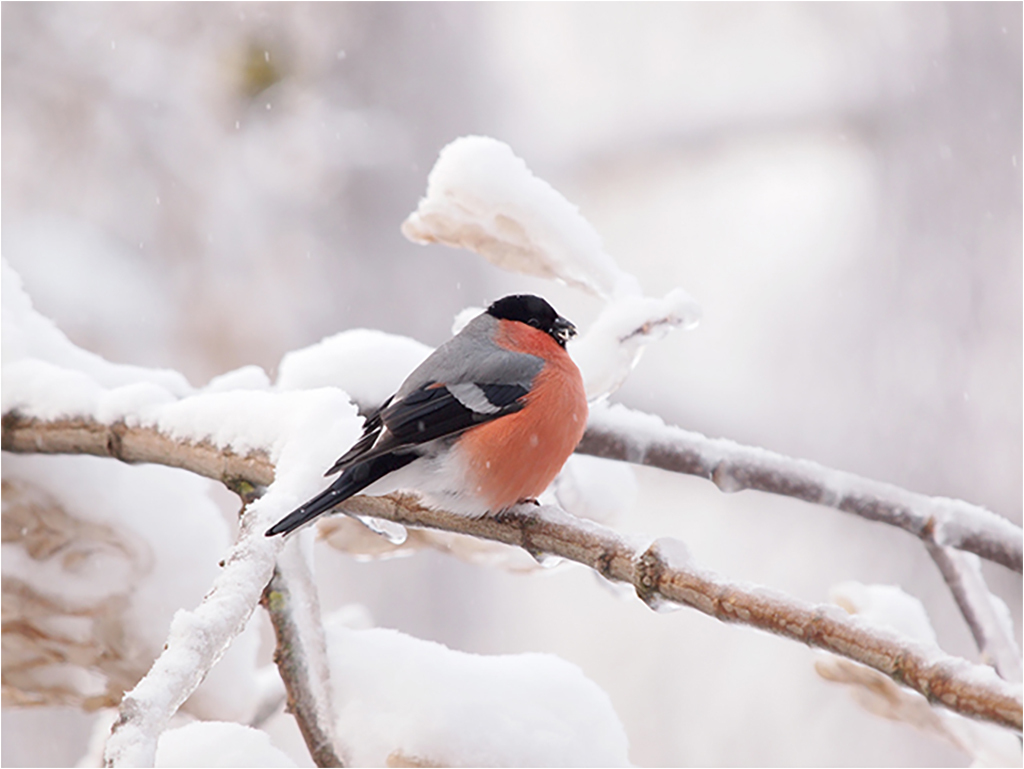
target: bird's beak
563 330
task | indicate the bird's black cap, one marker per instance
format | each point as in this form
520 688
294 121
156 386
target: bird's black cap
536 312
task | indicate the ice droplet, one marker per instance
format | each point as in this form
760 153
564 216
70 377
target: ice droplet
662 605
395 533
547 560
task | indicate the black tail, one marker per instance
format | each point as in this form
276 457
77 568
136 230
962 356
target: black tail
349 483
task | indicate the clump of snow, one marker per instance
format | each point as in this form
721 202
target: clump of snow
480 196
463 317
218 744
368 365
28 335
599 489
244 378
611 347
400 700
885 606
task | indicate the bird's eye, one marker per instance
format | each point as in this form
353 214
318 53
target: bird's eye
534 322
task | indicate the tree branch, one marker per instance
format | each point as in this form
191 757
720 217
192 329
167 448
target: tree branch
243 475
618 433
661 573
942 679
995 641
195 642
309 698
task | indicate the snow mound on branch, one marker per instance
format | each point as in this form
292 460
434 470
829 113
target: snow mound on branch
602 490
481 197
611 347
405 700
885 606
369 365
28 336
218 744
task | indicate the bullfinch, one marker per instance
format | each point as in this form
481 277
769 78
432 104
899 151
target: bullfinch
485 422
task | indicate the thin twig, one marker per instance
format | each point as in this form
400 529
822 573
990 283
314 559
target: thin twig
618 433
301 658
962 573
658 574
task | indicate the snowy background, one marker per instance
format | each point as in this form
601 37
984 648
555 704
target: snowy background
200 187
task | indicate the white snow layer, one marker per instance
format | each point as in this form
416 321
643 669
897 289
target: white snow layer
217 744
609 350
885 606
481 197
400 699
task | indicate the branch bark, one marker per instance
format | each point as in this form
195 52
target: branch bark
661 573
618 433
300 655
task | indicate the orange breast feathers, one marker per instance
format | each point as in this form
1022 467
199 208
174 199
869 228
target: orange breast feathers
517 456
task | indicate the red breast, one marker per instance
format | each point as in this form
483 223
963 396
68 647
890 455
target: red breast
516 457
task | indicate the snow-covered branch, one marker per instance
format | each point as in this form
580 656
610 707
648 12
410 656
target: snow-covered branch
616 432
83 435
987 616
658 572
196 640
663 572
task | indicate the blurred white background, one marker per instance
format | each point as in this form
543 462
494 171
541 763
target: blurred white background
202 186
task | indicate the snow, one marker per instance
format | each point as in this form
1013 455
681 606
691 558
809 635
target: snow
889 607
217 744
482 197
599 489
611 347
398 697
27 334
145 537
369 365
885 606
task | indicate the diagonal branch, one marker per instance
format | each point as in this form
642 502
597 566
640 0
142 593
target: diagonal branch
195 642
995 640
662 572
616 432
301 659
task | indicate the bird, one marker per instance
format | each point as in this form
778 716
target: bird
484 423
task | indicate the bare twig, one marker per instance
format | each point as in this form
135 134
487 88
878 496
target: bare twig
301 657
618 433
196 640
962 573
658 574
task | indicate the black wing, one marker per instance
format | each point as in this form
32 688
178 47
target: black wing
433 411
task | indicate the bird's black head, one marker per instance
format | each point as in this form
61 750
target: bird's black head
533 311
